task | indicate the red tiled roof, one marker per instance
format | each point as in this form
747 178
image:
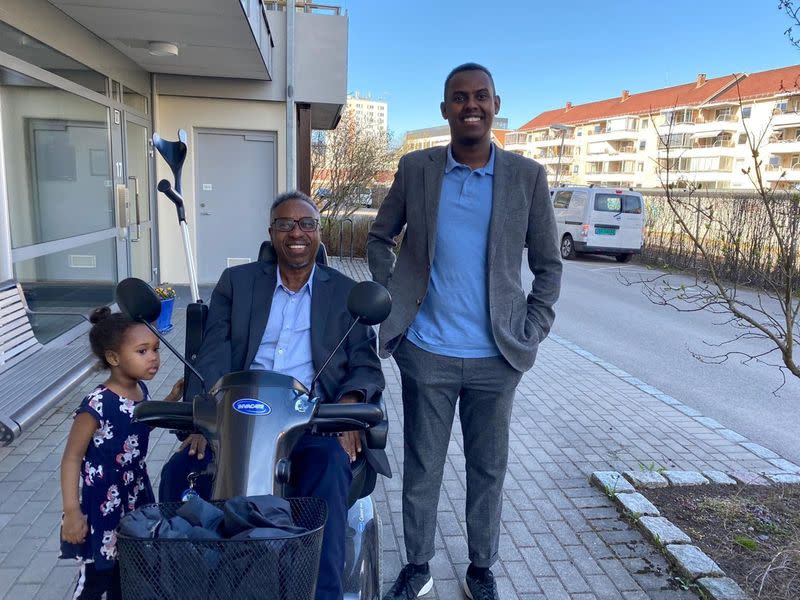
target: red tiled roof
689 94
500 135
764 84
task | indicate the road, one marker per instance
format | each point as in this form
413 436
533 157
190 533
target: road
620 325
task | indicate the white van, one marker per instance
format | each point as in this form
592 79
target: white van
599 221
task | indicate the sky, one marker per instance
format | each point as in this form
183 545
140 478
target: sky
544 54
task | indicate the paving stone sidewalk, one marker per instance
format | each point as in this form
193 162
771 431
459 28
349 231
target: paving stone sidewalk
561 537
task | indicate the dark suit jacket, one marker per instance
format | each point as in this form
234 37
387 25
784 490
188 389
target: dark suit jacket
238 316
522 214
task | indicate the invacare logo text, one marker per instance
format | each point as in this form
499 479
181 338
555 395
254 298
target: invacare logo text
248 406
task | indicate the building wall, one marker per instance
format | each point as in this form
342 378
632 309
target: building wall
420 140
373 114
173 113
582 147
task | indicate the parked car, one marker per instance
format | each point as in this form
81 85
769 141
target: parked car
363 197
599 220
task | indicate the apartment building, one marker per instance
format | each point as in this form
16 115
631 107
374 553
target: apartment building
700 130
420 139
373 114
83 86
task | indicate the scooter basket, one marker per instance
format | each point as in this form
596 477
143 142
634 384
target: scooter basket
265 569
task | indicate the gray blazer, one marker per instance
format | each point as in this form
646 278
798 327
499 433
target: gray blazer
522 213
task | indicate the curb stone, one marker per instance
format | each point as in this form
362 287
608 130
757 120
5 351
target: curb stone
680 478
719 478
611 482
721 588
662 531
636 504
687 559
783 477
645 479
692 562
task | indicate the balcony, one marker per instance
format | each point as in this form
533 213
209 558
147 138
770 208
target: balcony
516 139
214 39
320 58
616 135
774 173
781 144
606 173
550 141
785 118
553 160
677 128
724 121
727 126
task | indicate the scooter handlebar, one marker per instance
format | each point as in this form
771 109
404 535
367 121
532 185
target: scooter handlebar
358 415
168 415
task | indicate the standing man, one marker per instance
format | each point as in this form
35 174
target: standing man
461 326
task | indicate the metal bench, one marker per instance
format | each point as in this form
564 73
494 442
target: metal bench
33 377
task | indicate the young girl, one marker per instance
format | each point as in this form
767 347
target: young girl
105 451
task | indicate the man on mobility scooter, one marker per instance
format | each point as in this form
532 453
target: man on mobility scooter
285 315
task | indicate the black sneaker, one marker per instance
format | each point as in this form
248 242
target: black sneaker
479 584
414 581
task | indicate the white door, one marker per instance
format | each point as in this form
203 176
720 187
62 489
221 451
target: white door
235 186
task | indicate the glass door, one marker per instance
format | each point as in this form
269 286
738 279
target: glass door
140 202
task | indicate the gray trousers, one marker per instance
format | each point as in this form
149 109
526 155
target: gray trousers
432 384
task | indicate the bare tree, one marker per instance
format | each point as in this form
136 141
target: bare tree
345 163
742 251
793 12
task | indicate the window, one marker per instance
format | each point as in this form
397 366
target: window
579 133
645 123
575 169
723 114
642 144
562 199
134 100
21 45
61 186
632 205
640 167
618 203
746 111
742 138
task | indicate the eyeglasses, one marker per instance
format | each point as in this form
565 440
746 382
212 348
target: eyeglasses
286 225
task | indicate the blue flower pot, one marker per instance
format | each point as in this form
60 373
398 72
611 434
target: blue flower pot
164 321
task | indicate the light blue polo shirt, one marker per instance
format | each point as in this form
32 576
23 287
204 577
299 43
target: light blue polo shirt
286 344
454 317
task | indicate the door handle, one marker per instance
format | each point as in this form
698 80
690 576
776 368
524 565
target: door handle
205 212
136 207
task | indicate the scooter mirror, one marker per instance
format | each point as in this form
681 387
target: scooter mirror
138 300
370 302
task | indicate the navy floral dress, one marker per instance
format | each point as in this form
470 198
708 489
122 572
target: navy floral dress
114 478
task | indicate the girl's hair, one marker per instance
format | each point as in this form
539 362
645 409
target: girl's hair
107 333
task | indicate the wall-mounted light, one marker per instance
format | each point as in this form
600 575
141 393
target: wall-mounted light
162 48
